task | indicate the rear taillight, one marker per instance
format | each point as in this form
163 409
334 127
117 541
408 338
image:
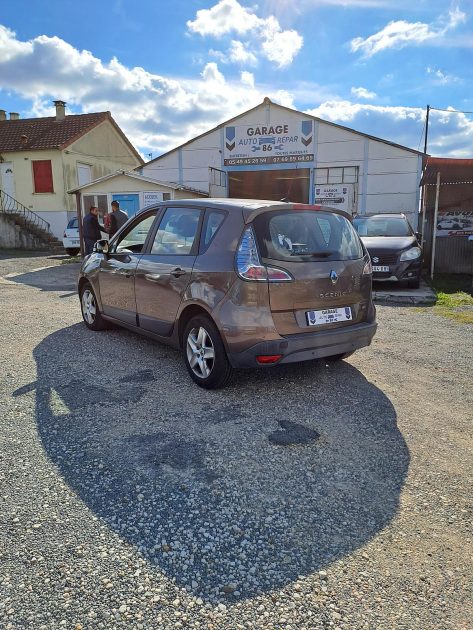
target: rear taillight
248 263
367 269
65 235
267 359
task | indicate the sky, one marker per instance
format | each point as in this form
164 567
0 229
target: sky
171 70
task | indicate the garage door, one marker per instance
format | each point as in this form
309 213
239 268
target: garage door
291 184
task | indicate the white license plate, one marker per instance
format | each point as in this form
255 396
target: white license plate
380 268
328 316
75 242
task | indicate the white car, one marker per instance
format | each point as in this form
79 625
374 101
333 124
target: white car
71 238
449 224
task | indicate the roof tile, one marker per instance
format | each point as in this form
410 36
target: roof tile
26 134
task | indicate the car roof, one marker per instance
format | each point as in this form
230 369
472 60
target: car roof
250 207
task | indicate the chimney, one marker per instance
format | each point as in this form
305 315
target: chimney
14 116
60 110
3 114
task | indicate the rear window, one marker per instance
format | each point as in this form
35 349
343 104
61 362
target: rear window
382 226
306 235
73 223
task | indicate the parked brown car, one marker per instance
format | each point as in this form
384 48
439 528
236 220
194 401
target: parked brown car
234 283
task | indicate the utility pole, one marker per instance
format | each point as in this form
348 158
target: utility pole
423 192
426 128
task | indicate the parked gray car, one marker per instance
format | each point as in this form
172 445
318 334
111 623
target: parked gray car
234 283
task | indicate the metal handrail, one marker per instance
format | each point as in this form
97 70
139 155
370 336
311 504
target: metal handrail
9 205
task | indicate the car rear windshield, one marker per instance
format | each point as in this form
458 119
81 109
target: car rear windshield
292 235
73 223
382 226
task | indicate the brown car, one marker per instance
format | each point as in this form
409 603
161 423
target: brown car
234 283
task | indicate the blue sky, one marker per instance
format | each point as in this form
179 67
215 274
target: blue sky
169 71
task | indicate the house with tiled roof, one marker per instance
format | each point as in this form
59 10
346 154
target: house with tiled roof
42 158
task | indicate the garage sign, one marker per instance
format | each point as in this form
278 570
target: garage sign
271 143
455 222
335 195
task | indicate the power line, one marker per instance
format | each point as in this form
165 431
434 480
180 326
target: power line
451 111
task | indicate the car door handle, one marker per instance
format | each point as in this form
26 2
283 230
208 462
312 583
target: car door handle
177 272
153 277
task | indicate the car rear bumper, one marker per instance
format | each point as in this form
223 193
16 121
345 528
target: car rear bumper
71 243
308 346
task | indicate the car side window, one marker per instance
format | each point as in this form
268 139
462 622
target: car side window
133 240
212 221
177 231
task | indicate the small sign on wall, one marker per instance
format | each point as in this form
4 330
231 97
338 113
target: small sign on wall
150 197
335 195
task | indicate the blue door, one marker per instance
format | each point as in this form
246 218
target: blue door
128 203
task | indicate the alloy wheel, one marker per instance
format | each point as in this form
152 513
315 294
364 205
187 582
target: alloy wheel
200 352
89 307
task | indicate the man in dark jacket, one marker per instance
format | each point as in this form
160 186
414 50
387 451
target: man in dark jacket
91 229
117 218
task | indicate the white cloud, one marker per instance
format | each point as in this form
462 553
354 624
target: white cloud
247 78
266 35
450 135
361 92
441 77
399 33
282 46
239 53
225 17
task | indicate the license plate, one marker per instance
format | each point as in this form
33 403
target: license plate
75 242
380 268
328 316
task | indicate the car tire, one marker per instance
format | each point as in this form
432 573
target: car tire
413 284
339 357
90 310
72 251
202 337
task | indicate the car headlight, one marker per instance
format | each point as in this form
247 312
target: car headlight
410 254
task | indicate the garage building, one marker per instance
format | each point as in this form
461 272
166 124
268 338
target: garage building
274 152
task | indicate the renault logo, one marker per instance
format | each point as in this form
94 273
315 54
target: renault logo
333 277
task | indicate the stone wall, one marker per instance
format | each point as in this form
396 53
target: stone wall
12 236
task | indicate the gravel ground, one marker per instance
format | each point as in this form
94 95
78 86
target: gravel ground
305 497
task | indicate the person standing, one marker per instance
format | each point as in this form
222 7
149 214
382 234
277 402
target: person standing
91 229
117 218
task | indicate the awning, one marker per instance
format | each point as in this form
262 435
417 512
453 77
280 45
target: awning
452 171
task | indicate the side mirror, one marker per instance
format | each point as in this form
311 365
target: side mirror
101 247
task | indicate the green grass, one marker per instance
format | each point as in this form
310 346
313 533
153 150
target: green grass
454 299
71 259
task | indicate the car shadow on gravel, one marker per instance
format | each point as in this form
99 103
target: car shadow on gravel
57 278
228 493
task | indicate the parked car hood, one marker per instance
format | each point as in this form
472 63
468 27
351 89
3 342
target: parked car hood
389 243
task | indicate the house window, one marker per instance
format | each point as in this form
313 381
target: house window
83 174
42 176
337 175
100 201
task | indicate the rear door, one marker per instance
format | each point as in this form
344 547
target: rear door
324 256
164 272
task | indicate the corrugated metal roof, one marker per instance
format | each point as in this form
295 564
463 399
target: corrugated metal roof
452 171
139 177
